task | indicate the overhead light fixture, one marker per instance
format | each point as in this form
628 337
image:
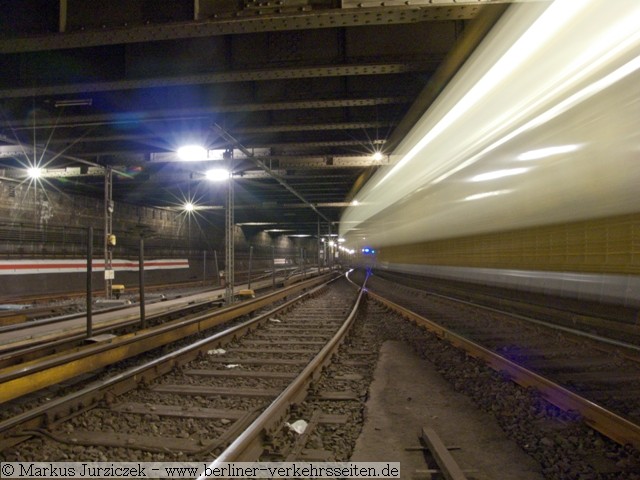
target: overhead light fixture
192 153
217 174
189 207
377 156
34 172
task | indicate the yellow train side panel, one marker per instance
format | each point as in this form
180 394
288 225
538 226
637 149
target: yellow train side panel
605 245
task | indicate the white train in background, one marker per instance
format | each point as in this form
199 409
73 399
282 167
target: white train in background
540 126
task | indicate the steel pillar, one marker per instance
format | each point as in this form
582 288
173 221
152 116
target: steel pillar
108 230
229 239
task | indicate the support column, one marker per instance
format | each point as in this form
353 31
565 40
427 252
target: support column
108 231
89 282
273 266
250 261
329 247
318 257
143 319
229 238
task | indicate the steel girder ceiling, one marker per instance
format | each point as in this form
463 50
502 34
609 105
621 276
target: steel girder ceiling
314 86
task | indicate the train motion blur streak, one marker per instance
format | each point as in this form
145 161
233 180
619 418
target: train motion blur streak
533 145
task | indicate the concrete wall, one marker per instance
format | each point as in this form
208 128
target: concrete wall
39 223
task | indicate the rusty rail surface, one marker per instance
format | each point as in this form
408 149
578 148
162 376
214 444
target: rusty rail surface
14 430
22 379
248 446
606 422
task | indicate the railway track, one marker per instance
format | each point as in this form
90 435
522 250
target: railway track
188 405
68 337
29 340
615 322
198 399
577 373
20 379
21 311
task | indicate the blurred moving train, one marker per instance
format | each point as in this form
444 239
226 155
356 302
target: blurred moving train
525 171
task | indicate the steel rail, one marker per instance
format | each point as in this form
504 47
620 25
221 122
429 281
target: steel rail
14 353
606 422
19 380
248 446
26 323
35 299
12 431
627 328
33 345
17 353
29 312
572 331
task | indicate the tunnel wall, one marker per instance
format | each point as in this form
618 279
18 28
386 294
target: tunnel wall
43 224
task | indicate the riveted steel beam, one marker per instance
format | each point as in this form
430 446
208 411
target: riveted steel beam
269 206
313 127
291 149
17 150
205 112
279 161
12 151
58 172
424 3
224 77
229 138
332 162
471 38
329 143
330 18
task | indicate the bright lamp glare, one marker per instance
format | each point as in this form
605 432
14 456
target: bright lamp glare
217 174
190 153
189 207
34 172
377 156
